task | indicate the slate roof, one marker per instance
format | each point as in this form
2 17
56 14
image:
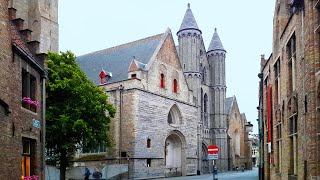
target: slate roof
228 104
215 43
188 21
117 59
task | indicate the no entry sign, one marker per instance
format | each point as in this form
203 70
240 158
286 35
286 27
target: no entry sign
213 149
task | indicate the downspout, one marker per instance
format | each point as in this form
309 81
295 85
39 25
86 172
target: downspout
44 125
305 97
261 130
120 123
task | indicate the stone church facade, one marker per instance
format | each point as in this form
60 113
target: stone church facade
170 102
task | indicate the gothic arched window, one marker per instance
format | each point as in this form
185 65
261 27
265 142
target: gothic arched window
204 75
162 81
174 116
175 85
205 101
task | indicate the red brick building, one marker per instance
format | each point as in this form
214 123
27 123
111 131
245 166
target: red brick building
289 105
22 105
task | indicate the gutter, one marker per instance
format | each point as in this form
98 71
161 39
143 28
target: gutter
31 60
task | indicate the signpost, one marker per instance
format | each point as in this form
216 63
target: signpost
213 154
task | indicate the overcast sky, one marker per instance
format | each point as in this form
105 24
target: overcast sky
244 27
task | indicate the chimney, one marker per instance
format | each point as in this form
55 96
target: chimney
262 61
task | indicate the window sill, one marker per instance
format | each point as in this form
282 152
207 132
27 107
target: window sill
28 111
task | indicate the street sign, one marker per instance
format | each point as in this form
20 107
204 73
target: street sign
212 156
36 123
213 149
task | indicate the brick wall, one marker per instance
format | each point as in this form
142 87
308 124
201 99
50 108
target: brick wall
303 25
18 124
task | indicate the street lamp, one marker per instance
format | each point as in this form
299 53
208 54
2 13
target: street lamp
249 127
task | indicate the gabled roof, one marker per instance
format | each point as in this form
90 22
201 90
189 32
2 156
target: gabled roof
188 21
18 40
21 47
117 59
228 104
136 65
215 43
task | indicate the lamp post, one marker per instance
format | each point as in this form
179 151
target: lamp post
249 128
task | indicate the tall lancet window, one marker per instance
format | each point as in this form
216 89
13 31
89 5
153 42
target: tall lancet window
175 85
162 81
204 75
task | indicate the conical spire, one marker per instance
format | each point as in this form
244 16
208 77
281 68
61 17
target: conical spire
215 43
188 23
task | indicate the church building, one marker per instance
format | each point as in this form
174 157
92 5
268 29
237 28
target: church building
170 102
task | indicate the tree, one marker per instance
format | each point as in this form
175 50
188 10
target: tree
77 111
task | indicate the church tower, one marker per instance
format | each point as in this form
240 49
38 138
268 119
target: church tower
190 40
40 17
216 56
190 45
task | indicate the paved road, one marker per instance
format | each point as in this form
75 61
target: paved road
246 175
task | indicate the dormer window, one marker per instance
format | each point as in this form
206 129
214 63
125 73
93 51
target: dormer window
133 76
103 77
162 81
175 85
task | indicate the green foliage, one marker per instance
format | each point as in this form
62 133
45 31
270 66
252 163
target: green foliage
76 109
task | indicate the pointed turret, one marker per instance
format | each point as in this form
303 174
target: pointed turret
215 43
189 23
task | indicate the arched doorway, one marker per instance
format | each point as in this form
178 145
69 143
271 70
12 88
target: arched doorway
175 155
205 161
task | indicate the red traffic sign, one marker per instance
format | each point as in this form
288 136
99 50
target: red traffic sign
213 149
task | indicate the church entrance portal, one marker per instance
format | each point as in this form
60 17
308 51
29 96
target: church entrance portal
174 153
205 161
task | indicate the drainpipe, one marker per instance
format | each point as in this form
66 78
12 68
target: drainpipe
120 123
305 97
261 131
44 125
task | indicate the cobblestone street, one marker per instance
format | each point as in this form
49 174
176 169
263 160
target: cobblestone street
246 175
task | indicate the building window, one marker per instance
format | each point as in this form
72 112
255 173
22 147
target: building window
133 76
29 88
279 141
26 158
175 86
148 162
293 144
123 154
205 109
204 75
174 116
276 68
148 143
99 147
291 51
162 81
205 101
